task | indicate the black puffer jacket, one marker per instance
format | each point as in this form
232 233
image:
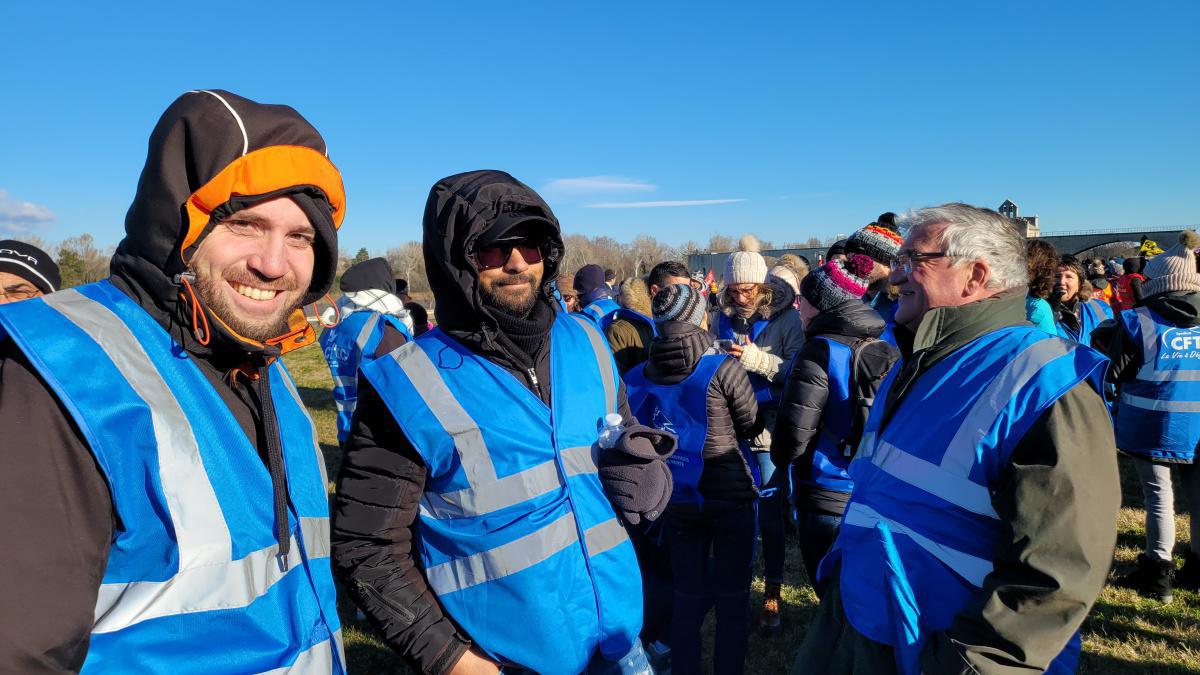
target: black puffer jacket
732 409
806 391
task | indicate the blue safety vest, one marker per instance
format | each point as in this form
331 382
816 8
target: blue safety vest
762 386
830 460
925 480
602 311
682 409
635 317
518 540
886 307
1158 416
194 582
1091 313
345 346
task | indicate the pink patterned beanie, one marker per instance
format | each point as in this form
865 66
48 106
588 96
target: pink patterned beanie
836 282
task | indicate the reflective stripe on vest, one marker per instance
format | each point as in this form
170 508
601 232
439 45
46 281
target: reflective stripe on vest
929 474
1159 412
602 312
345 346
195 553
681 409
512 497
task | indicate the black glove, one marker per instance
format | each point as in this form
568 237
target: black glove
635 473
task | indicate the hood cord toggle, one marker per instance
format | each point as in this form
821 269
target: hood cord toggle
198 315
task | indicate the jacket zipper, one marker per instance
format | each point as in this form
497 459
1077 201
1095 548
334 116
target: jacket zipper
537 386
404 613
275 459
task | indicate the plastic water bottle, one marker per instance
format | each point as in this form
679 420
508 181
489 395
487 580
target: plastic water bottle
614 426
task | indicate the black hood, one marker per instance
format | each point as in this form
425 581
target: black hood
853 319
371 274
479 207
1181 308
213 153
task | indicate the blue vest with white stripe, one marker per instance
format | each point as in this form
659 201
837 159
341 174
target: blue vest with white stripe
1159 412
602 312
762 386
927 477
194 582
1091 313
345 346
682 409
830 463
518 540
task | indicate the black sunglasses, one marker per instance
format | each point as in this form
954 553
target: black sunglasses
496 255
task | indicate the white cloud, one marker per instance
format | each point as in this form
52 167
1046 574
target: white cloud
18 217
592 184
656 205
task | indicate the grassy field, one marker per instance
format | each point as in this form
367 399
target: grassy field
1124 634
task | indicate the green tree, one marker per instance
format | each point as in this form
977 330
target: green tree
71 267
361 256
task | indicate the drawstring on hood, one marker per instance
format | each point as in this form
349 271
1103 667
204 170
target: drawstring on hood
211 154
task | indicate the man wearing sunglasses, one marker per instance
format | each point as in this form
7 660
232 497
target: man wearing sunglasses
483 429
983 517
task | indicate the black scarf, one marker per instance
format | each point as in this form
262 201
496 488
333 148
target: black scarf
522 337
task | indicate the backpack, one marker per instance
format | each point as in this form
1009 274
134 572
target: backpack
863 386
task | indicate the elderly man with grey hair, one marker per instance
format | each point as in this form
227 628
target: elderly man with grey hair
983 517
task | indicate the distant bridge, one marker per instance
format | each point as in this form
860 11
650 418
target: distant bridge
1081 240
1066 242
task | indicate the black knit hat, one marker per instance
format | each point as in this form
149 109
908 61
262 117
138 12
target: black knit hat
31 264
678 302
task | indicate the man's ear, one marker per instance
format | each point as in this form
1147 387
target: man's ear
977 280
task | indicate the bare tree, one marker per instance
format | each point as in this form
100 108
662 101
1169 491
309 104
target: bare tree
92 262
719 243
408 261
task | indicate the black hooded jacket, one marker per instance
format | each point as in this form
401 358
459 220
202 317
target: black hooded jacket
49 582
729 401
806 392
382 476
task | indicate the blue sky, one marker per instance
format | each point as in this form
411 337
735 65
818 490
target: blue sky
678 119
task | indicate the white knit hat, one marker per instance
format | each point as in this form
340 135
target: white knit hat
1175 268
746 265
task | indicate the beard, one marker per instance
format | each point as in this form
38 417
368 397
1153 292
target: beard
512 293
215 294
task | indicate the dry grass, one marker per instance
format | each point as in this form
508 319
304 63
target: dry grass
1124 634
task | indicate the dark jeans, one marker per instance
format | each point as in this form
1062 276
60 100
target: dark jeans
727 529
817 532
772 520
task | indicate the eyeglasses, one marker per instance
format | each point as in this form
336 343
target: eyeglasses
15 293
743 292
496 255
906 258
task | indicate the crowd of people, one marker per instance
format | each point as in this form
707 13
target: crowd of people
564 472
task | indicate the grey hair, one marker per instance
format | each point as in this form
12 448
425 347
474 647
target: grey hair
969 233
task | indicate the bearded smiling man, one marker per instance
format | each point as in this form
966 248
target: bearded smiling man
166 501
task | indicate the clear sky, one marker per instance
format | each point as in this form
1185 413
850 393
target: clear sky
679 119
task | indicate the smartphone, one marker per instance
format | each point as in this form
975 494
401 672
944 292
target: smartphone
724 345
